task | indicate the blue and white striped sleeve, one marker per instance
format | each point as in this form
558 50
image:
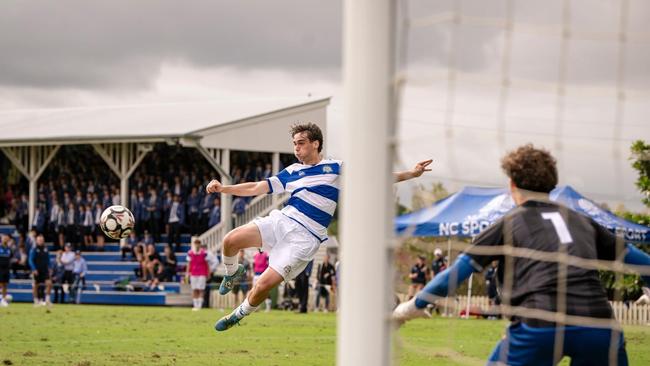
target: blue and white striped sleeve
277 183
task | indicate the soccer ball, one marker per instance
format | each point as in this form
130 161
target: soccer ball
117 222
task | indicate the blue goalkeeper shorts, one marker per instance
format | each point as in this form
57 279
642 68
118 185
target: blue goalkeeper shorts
526 345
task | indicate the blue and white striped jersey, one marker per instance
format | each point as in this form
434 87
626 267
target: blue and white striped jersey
314 194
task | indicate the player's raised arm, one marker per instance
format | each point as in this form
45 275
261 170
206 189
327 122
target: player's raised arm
241 189
417 171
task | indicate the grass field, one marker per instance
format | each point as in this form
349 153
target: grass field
112 335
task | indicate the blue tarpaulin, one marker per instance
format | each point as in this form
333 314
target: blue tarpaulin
469 211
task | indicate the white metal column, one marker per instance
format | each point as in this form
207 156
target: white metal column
31 161
364 322
123 159
226 199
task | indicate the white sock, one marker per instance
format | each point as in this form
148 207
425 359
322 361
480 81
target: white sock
244 309
231 264
267 302
199 302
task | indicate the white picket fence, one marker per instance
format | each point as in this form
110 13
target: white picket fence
629 314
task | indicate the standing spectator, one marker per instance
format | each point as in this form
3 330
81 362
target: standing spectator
326 282
22 214
153 208
419 276
491 284
215 213
67 260
175 220
244 285
5 264
197 271
80 269
87 223
97 230
260 264
166 207
39 262
38 223
53 223
206 208
71 220
302 286
439 263
58 271
59 228
193 202
139 212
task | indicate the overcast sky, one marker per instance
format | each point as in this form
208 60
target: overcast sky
71 53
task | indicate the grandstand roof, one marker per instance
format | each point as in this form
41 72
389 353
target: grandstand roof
149 122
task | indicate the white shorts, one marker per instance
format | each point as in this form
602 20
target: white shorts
197 282
290 246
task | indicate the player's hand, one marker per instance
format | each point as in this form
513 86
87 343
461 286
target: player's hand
213 187
421 167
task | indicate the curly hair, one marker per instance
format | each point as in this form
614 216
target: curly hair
531 169
313 132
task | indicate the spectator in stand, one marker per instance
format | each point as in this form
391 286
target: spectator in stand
215 213
129 245
193 202
207 203
439 263
58 271
175 220
197 272
39 262
244 285
326 283
153 207
38 223
55 210
419 276
88 224
67 260
59 228
97 230
80 269
19 262
152 261
260 264
138 255
22 213
71 220
166 271
238 205
166 207
140 214
147 239
5 264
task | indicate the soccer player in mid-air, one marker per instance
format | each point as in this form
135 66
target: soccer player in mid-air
293 235
544 226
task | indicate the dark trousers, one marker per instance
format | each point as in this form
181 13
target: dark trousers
302 290
175 234
194 223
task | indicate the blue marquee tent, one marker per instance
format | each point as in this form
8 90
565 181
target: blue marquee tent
469 211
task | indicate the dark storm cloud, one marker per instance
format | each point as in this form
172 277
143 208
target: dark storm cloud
97 44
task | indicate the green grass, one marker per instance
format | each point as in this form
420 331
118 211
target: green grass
112 335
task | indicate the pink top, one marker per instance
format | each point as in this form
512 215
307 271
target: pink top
198 263
261 262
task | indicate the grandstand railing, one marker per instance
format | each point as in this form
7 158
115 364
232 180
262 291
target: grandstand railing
259 206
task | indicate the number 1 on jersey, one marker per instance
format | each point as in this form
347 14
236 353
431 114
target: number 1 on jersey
560 226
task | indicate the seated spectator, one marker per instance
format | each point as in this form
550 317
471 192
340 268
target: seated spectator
19 264
152 261
167 270
138 256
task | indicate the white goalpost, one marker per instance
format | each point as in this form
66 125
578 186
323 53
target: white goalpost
363 332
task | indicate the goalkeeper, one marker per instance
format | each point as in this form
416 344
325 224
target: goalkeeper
543 226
